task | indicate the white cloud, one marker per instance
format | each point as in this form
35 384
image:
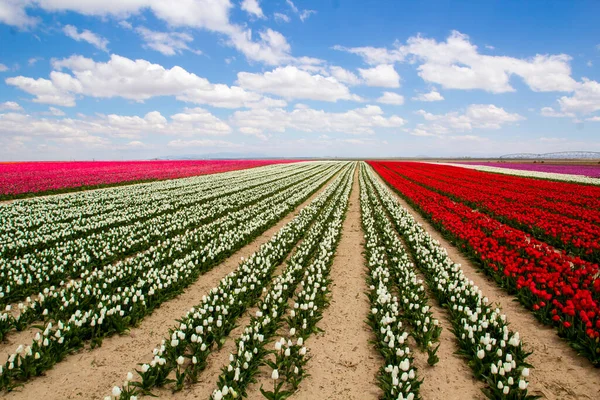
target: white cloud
593 119
253 8
391 98
184 144
477 116
434 95
279 17
213 15
293 83
358 121
137 80
10 105
167 43
272 48
33 60
550 112
86 36
3 68
375 55
303 14
585 99
190 123
56 112
125 24
457 64
383 75
344 76
12 12
45 90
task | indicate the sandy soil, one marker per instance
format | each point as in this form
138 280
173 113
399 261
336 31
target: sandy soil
559 373
92 374
343 363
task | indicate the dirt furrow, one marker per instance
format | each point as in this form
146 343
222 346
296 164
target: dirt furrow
91 374
559 373
343 363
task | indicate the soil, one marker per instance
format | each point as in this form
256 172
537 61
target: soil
343 363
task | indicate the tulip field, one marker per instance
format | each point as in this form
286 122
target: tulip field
224 280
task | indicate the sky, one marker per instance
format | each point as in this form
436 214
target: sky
140 79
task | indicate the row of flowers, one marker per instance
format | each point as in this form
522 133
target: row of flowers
33 224
184 350
73 258
44 177
398 377
133 288
557 175
310 263
494 352
413 299
560 290
77 258
517 204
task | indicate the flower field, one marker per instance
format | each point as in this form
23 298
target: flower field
222 285
26 178
592 171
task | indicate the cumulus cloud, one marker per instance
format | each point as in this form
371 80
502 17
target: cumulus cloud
358 121
391 98
381 76
291 82
434 95
97 130
12 12
86 36
253 8
269 46
585 99
477 116
344 76
457 64
137 80
10 105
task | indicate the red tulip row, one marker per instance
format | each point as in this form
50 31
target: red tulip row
512 204
560 289
564 200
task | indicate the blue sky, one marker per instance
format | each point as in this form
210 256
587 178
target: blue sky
136 79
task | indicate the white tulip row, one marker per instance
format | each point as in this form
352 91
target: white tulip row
135 289
309 263
495 352
33 212
207 324
215 238
398 378
531 174
44 228
35 271
413 299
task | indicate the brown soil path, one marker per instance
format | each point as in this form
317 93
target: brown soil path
343 363
559 373
92 374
